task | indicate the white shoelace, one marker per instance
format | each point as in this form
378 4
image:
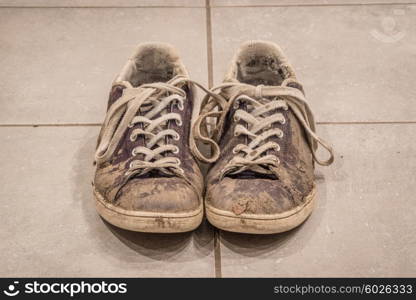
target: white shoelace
150 99
153 99
253 156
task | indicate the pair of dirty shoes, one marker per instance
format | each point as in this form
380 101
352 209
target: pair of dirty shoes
255 129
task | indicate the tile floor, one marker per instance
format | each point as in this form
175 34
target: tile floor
356 59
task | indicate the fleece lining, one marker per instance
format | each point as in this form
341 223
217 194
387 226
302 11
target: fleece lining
259 62
152 62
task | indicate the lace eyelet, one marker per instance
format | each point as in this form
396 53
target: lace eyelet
281 135
234 151
178 161
177 137
133 152
283 121
130 125
131 165
133 138
179 122
176 151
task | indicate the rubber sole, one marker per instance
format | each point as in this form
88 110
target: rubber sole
261 224
147 221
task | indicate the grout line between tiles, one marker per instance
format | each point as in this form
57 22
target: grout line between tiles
313 5
366 122
221 6
209 43
99 124
217 253
53 125
217 234
132 6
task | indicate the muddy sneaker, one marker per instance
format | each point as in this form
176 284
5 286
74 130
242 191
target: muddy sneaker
146 178
263 141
